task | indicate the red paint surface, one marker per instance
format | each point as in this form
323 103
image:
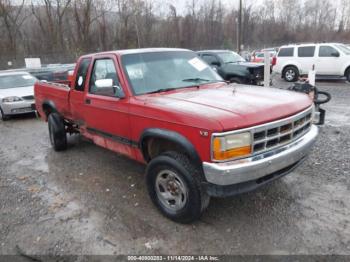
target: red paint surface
212 108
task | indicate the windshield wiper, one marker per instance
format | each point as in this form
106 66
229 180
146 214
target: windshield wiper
161 90
196 80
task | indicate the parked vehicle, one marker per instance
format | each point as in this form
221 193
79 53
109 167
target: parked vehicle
199 136
16 93
331 61
53 73
259 57
233 68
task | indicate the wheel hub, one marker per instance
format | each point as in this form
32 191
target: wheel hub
171 190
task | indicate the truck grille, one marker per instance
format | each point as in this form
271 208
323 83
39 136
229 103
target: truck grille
279 133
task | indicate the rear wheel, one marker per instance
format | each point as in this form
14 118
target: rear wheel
57 132
174 186
291 74
3 116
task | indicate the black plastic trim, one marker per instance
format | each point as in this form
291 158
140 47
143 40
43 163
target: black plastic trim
120 139
172 136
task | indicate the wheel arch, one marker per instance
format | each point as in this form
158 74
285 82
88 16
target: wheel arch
171 137
347 69
49 107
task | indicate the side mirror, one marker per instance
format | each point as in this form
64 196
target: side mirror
104 83
217 64
335 54
108 83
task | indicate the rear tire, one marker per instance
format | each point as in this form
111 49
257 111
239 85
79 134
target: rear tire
3 116
174 186
291 74
57 132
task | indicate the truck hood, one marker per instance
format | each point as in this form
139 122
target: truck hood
230 106
19 91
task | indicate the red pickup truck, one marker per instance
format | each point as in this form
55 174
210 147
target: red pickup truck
199 136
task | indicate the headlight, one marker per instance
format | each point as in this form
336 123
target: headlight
11 99
231 146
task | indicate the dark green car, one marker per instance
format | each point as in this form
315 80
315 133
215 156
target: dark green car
233 68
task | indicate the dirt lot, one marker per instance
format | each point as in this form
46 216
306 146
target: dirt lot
88 200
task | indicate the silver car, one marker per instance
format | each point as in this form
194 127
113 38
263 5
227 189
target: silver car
16 94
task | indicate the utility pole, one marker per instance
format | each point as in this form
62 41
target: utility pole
239 29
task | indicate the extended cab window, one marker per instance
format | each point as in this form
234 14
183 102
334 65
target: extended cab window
285 52
81 74
306 51
327 51
104 78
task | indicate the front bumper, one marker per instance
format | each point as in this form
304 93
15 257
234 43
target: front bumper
278 161
21 107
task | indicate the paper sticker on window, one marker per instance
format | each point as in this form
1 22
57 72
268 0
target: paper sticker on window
80 80
134 72
27 77
198 64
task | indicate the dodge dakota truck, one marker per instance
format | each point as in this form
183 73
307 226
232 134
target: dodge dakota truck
199 136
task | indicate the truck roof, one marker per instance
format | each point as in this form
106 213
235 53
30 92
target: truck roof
137 51
10 73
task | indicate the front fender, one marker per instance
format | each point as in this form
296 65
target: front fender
171 136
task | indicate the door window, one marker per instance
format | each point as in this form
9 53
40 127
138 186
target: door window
104 78
327 51
81 74
210 59
306 51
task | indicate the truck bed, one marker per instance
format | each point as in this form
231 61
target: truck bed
50 92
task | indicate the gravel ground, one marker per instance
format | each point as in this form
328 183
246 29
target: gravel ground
88 200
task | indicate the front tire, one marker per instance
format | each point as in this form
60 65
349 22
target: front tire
174 186
3 116
57 132
347 74
291 74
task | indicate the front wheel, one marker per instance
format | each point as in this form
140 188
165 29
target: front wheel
347 74
3 116
291 74
57 132
174 186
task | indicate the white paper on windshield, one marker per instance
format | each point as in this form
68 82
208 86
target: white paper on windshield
198 64
27 77
135 72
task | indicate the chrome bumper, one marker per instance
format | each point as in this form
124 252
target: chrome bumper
21 107
239 171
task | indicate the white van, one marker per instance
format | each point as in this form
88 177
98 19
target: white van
331 61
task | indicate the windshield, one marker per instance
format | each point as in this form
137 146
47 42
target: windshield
15 81
230 57
345 49
157 71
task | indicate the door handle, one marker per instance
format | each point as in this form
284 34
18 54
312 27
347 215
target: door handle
87 101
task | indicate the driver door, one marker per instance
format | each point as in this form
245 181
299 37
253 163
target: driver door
106 108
